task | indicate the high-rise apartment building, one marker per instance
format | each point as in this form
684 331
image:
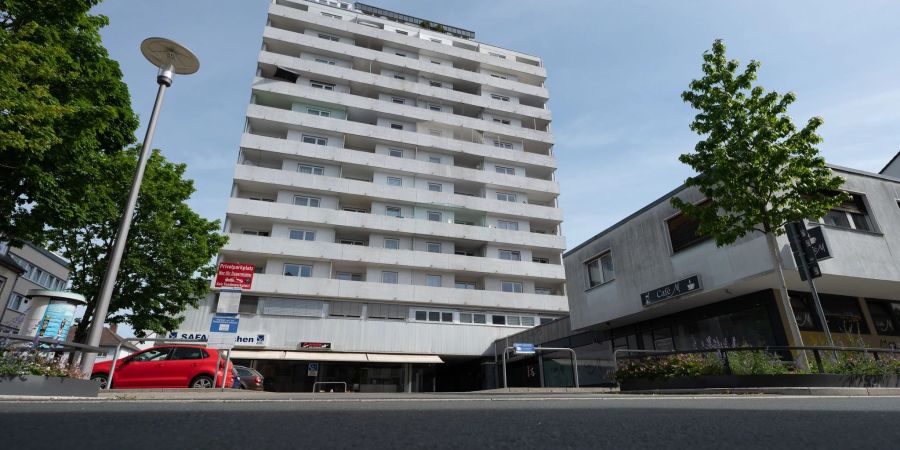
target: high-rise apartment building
395 190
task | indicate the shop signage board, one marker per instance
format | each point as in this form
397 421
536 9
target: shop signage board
312 369
672 290
315 345
234 275
523 348
241 339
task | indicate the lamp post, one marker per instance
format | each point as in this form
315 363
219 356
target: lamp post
171 58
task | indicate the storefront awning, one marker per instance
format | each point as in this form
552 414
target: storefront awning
336 356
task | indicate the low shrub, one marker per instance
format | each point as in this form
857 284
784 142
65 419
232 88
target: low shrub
21 362
670 366
758 362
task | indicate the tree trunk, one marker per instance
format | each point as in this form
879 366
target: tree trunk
783 300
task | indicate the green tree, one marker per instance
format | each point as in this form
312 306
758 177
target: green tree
757 170
62 102
166 266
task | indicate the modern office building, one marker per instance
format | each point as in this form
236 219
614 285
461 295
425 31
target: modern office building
395 191
651 282
38 268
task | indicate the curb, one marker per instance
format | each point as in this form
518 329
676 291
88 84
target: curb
809 391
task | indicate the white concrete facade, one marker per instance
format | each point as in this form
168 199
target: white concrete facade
406 175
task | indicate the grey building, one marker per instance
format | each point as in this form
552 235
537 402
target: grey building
39 269
395 191
624 290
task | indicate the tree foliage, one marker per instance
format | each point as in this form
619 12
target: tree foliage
756 168
166 265
62 102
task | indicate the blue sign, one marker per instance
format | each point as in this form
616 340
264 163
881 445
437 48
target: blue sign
224 324
522 347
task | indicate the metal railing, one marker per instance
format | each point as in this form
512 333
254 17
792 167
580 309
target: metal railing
781 351
56 345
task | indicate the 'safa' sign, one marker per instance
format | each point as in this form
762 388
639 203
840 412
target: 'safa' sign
672 290
235 275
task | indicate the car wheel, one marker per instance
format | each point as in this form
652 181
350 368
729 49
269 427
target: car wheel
101 378
202 382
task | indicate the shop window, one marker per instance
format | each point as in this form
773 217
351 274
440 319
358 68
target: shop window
885 316
842 313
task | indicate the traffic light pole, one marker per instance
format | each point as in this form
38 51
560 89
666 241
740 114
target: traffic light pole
800 238
819 311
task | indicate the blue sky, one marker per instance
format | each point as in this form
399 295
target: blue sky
616 72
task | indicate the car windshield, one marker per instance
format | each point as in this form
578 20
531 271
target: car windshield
154 354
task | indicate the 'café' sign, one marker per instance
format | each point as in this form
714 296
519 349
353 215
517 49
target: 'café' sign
673 290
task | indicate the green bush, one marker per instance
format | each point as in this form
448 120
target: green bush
670 366
748 362
847 363
16 363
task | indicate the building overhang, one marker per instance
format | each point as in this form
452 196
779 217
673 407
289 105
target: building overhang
289 355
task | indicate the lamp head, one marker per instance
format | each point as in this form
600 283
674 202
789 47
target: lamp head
170 57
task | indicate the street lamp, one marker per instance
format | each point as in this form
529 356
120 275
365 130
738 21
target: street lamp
171 58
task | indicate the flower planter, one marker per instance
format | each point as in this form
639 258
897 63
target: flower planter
754 381
40 385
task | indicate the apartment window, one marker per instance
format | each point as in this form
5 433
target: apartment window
309 139
513 320
351 242
333 16
540 260
396 126
433 280
349 276
684 232
851 214
302 200
503 121
393 211
435 132
303 235
392 244
600 270
298 270
463 222
390 312
262 199
390 277
472 318
498 319
434 216
464 285
312 170
511 286
507 225
511 255
15 301
497 55
250 232
321 85
318 112
354 209
505 170
399 76
503 144
345 309
435 62
436 41
502 98
497 75
405 33
395 152
434 316
398 100
434 159
433 247
527 321
506 197
394 181
400 54
326 61
435 84
329 37
435 187
435 107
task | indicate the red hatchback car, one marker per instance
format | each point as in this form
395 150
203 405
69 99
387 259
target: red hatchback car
166 366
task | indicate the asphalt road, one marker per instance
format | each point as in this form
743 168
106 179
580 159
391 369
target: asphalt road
513 422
